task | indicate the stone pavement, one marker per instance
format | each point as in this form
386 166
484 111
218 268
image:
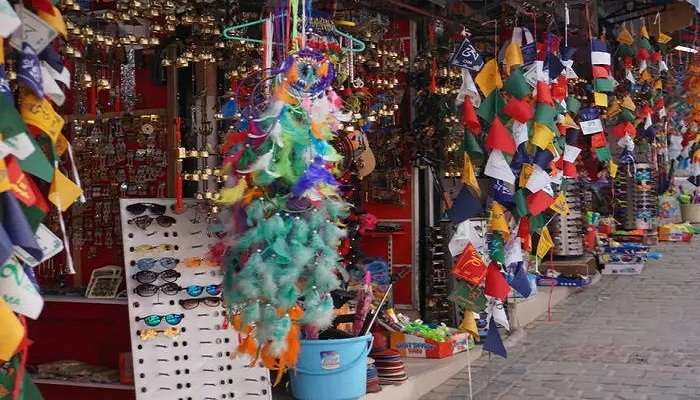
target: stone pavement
626 338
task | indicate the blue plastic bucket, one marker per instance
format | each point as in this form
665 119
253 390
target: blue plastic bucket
331 369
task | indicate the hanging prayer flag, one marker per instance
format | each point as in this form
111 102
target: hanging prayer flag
468 324
497 220
497 167
29 72
494 343
465 206
499 138
542 136
496 284
466 56
489 78
516 85
11 333
545 243
469 176
560 205
469 266
520 281
9 21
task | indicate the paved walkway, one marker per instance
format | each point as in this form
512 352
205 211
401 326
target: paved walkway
627 338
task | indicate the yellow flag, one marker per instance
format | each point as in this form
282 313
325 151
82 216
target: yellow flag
513 56
569 122
542 136
63 191
614 108
612 167
545 243
601 99
560 206
11 333
643 32
5 184
40 113
497 220
628 103
2 52
56 21
663 38
525 173
468 324
469 176
489 78
658 84
645 76
625 37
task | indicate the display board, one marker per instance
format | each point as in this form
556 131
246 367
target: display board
181 346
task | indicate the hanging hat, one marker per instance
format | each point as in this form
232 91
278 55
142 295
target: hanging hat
519 110
500 138
516 84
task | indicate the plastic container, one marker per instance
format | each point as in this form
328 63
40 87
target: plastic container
331 369
691 213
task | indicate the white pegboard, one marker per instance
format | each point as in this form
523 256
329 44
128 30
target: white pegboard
198 364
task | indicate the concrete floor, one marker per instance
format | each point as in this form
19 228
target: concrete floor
628 337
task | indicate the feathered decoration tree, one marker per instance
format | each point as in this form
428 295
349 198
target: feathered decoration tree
285 213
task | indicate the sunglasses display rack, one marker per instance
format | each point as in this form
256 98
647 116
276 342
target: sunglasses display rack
646 201
438 308
182 347
567 230
623 196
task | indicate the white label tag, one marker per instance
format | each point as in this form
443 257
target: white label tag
592 126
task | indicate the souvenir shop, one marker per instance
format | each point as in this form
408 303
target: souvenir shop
234 199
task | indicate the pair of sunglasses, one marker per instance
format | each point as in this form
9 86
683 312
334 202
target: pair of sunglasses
190 304
171 289
156 319
147 248
149 290
144 221
149 334
140 208
145 264
169 275
194 262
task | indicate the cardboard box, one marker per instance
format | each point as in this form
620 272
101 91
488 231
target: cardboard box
418 347
584 265
623 269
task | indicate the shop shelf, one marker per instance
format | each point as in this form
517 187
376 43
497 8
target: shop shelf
115 386
81 299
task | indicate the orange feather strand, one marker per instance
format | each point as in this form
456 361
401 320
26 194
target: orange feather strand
267 359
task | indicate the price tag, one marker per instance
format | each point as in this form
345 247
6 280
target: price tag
592 126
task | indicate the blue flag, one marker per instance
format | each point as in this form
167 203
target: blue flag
467 56
465 206
543 158
520 281
29 72
16 225
493 343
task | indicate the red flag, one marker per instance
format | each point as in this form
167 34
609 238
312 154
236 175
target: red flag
524 233
469 266
559 88
628 62
538 202
544 93
598 140
499 138
20 182
469 118
656 56
570 170
600 71
43 5
496 284
519 110
642 54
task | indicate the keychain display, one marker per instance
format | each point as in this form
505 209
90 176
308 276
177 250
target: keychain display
181 343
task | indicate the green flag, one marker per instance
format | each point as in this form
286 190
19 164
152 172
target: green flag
516 85
603 153
573 104
603 85
14 132
537 223
491 106
520 203
626 115
471 146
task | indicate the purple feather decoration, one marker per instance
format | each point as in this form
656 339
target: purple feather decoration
315 175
